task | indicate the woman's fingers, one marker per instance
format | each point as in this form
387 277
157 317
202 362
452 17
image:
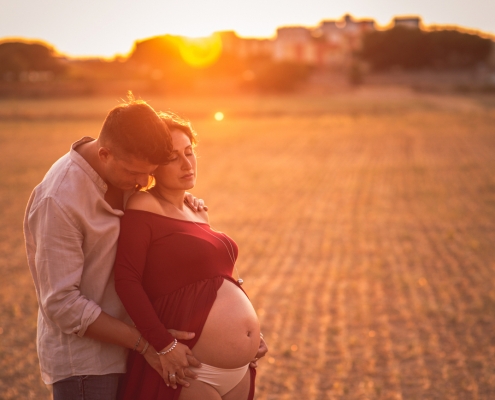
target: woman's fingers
165 378
173 379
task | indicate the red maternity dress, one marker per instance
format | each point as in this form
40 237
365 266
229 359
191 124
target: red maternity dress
167 273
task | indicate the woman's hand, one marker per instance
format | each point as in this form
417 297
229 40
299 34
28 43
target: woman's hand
173 364
262 350
193 361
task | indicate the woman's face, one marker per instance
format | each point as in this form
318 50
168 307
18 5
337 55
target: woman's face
180 172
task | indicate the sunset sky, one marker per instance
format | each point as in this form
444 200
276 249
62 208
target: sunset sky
108 27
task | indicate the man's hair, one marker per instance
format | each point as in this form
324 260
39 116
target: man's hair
134 128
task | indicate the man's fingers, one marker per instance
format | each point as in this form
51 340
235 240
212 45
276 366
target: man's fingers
193 361
189 374
189 199
181 335
180 374
183 382
253 364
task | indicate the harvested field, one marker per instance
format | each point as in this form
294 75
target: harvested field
366 227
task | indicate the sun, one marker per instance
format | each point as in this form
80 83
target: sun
200 52
219 116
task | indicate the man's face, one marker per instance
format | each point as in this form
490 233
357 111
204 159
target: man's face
125 171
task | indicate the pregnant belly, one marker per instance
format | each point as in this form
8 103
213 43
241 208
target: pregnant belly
231 334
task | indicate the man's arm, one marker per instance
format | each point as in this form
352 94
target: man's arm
58 266
59 261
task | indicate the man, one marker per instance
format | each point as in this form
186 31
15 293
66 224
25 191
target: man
71 228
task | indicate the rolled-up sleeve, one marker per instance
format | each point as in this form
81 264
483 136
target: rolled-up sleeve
59 261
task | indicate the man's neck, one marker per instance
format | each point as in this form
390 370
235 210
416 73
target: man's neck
89 151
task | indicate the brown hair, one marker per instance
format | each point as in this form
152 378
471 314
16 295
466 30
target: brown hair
173 121
135 128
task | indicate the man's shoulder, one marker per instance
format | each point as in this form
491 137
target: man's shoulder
63 182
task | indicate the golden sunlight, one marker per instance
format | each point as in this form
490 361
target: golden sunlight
219 116
200 52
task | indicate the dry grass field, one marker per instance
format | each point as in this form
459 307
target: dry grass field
366 226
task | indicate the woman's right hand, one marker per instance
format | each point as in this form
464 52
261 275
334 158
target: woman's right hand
174 364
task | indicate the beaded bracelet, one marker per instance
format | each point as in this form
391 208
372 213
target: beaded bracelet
162 353
145 348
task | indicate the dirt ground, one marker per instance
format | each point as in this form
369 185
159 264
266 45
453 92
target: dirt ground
366 227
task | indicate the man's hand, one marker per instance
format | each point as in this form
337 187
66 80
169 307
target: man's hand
262 350
153 360
193 203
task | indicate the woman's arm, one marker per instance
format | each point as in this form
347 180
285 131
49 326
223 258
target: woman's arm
135 238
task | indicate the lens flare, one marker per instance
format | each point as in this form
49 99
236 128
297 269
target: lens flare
200 52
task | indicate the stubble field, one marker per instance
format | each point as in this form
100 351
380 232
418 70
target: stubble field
366 227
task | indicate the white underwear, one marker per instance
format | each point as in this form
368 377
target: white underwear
223 380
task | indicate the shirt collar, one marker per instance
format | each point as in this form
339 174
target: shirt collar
84 165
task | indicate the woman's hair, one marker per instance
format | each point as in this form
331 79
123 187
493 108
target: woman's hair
172 121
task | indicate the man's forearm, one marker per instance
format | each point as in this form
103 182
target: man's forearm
108 329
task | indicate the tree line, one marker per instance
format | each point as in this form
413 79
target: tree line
417 49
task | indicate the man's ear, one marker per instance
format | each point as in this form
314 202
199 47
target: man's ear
104 154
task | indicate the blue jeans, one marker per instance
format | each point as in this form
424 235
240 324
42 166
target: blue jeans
87 387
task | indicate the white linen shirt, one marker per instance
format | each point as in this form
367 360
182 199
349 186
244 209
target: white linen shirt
71 237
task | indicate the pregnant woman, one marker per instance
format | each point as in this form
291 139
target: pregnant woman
173 271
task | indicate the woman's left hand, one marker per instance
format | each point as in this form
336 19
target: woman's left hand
194 204
262 350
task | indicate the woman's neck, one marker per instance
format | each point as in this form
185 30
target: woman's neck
174 197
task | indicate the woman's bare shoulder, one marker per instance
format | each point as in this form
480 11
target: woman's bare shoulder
143 201
203 216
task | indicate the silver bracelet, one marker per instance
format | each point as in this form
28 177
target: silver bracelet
145 348
137 343
162 353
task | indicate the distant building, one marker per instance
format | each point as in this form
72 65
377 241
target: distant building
246 47
294 44
332 43
408 22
